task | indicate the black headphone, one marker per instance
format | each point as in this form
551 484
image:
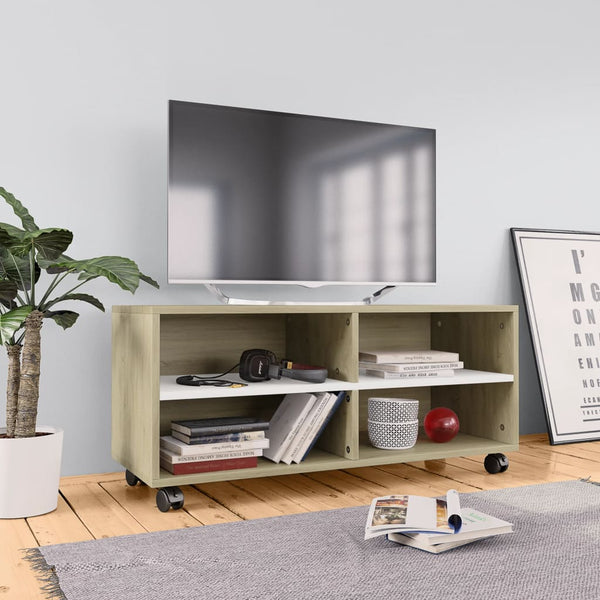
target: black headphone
261 365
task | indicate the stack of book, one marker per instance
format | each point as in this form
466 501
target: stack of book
216 444
297 424
431 524
409 364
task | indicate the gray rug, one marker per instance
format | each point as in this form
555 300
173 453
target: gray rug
553 553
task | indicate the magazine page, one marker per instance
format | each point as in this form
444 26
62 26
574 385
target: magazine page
404 513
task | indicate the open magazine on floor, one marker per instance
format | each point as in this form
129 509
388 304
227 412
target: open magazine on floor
414 514
475 526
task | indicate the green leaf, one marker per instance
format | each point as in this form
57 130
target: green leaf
10 235
122 271
149 280
49 243
64 318
17 269
8 291
50 265
19 210
83 297
11 321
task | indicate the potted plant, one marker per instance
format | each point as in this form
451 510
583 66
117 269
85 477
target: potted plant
36 277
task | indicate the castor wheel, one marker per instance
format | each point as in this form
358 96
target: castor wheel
169 497
495 463
131 479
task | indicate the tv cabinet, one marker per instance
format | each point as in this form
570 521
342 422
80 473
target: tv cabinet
151 345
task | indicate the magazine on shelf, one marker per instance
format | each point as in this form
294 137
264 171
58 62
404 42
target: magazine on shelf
413 375
475 526
306 426
335 399
407 356
313 425
411 367
286 421
415 514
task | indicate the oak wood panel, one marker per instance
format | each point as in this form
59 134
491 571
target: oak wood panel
206 510
103 516
17 580
194 344
59 526
239 501
135 393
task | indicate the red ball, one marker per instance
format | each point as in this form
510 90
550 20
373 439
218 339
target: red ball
441 424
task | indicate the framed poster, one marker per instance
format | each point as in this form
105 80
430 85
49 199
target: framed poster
560 276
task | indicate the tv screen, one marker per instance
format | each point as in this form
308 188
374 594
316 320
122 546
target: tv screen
258 196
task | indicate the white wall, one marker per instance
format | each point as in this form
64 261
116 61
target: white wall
512 88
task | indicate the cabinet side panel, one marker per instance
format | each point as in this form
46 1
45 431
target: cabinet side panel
135 393
331 340
486 341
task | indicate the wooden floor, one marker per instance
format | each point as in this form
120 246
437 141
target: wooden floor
99 506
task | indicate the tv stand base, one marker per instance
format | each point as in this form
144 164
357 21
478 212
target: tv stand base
225 299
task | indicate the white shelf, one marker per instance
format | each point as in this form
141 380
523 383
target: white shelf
461 377
170 390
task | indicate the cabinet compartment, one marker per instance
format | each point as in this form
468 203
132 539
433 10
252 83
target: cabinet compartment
154 344
488 411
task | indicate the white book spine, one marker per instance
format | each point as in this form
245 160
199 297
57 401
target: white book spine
408 356
411 367
176 458
414 375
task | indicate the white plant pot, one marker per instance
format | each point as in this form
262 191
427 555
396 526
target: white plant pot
30 473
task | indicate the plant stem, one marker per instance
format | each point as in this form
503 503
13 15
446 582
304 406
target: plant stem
32 273
53 285
12 387
29 387
21 280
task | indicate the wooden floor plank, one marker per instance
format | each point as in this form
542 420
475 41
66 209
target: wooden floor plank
98 510
93 478
463 471
427 480
392 483
285 499
318 493
581 449
206 510
17 579
60 526
239 501
354 487
140 502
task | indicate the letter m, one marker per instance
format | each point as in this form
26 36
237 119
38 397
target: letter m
576 292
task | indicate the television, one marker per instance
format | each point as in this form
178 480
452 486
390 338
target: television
258 196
